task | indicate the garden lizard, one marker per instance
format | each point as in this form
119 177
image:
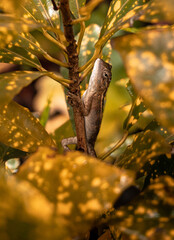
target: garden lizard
93 104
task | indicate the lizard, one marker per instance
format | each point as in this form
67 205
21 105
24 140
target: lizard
93 104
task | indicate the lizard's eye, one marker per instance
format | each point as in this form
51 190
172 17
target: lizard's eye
105 75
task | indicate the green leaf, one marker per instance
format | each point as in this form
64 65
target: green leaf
158 11
149 61
45 113
41 11
11 26
28 42
11 84
150 216
75 5
62 132
146 146
158 166
19 129
7 152
79 187
18 55
88 47
118 17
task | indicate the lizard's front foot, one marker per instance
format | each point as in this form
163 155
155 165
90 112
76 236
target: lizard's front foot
65 142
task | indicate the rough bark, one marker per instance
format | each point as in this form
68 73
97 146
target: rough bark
74 75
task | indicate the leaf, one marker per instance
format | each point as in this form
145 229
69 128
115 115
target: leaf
18 55
7 152
158 166
64 131
159 11
150 215
118 17
75 5
11 84
146 146
28 42
41 11
149 61
89 7
11 26
11 6
19 129
26 212
45 113
80 187
88 47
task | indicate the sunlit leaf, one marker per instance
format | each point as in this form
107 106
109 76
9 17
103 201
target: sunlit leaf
149 216
88 47
26 213
42 12
80 187
28 42
18 55
89 7
11 6
146 145
11 84
149 61
119 14
159 11
20 129
11 26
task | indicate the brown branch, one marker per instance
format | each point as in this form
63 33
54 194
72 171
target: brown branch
74 75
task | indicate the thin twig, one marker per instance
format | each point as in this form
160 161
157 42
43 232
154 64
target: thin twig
117 145
49 37
56 61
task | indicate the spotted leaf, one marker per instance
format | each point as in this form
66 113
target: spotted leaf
146 145
150 215
7 152
41 11
28 42
25 211
88 47
11 26
119 15
20 129
17 55
149 60
159 11
80 187
158 166
11 84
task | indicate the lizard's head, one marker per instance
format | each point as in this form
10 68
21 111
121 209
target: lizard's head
100 77
105 74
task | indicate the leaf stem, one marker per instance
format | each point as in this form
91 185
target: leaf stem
56 61
49 37
59 79
81 34
117 145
